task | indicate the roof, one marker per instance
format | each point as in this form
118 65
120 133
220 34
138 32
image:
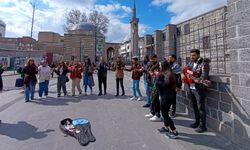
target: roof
86 26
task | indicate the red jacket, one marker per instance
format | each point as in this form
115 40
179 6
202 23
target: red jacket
76 71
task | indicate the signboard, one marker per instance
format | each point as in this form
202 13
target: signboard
99 46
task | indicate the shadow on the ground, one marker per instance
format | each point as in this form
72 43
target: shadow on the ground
103 97
212 141
61 101
22 131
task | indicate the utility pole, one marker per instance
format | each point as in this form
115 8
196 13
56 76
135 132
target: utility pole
33 4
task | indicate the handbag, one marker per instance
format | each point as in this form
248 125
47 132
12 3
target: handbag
19 82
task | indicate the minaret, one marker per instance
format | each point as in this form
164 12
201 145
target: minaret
134 33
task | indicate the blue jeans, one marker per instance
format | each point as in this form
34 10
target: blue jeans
43 87
87 82
136 88
29 91
147 91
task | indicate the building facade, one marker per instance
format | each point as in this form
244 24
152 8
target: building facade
83 42
22 44
2 28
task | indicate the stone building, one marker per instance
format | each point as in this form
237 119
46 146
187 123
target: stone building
50 42
2 28
22 43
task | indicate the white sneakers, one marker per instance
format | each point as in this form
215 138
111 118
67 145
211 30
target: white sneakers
135 98
149 115
140 99
155 119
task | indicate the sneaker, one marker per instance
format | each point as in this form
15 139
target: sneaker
73 95
195 125
26 101
123 94
46 96
133 98
99 94
172 135
58 95
39 97
201 129
149 115
146 105
163 130
140 99
155 119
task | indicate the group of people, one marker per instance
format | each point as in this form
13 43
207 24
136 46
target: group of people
162 81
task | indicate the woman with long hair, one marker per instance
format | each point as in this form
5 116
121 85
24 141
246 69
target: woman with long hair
119 67
88 75
30 70
166 85
61 71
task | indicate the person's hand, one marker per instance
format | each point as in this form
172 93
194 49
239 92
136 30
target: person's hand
5 67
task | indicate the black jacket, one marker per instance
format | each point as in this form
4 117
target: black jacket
102 70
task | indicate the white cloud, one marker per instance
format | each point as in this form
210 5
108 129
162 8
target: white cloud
186 9
50 16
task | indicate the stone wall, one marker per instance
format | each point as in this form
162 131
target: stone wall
207 33
228 100
239 50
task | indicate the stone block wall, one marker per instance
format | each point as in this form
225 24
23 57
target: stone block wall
228 100
239 49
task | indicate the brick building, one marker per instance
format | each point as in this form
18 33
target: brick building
22 43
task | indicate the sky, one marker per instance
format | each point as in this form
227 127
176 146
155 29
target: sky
50 14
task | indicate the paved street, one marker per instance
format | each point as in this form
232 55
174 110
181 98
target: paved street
117 123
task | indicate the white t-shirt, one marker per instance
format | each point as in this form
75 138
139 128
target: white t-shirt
43 73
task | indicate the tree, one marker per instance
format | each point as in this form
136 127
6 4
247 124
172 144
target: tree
100 21
73 18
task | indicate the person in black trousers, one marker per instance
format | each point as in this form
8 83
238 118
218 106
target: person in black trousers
197 90
61 71
166 85
2 69
102 76
119 67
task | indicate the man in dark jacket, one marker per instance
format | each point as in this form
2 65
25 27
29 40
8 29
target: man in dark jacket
2 69
102 75
197 89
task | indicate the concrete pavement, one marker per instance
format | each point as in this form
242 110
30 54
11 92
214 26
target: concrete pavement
117 123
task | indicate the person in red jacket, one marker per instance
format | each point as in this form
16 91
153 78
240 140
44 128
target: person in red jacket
137 72
76 75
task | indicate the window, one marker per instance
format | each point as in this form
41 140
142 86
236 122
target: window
163 37
206 42
187 28
178 32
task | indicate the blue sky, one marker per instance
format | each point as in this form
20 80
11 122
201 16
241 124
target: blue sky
50 14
